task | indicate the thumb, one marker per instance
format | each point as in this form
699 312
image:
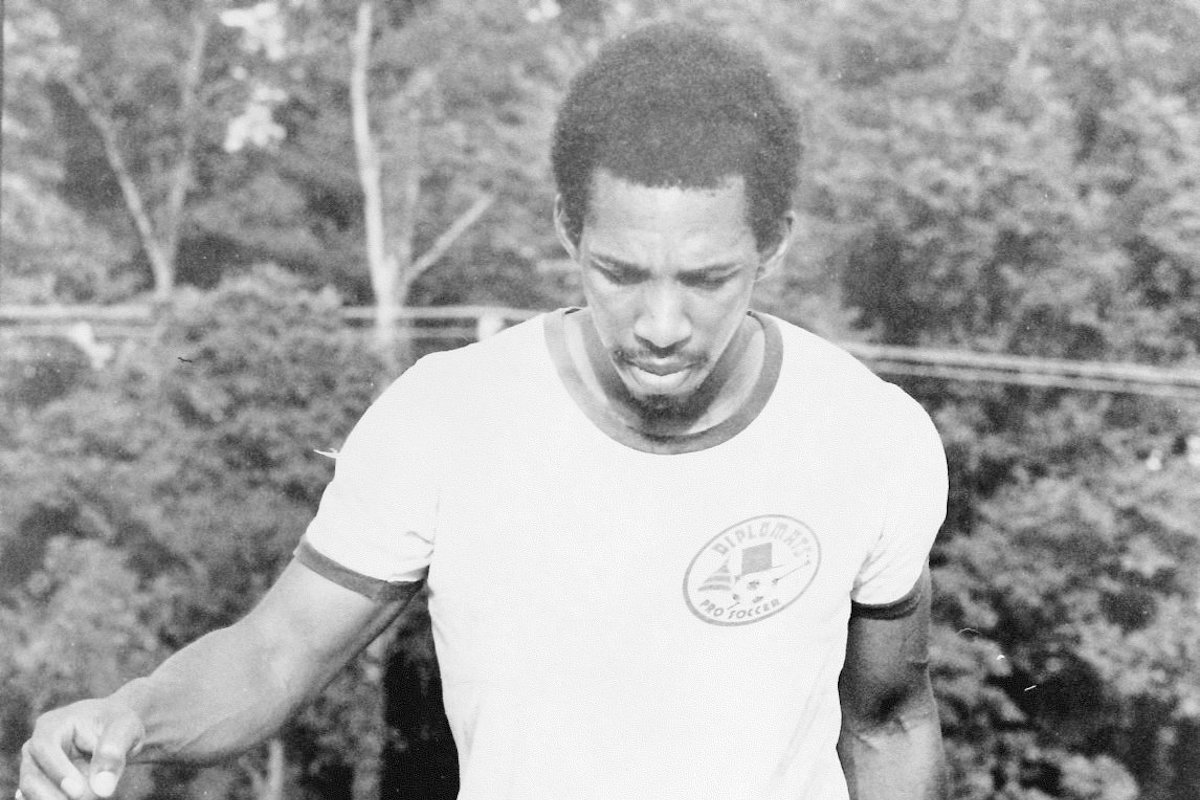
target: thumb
120 739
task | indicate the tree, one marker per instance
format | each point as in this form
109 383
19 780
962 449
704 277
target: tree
1007 178
390 259
398 119
188 473
52 251
142 75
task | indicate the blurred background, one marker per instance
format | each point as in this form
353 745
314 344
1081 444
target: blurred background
227 226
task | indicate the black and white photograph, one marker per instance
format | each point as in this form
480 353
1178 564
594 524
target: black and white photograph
600 400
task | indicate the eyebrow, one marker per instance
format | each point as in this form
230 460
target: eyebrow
719 267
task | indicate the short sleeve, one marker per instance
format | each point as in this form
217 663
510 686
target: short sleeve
915 496
377 518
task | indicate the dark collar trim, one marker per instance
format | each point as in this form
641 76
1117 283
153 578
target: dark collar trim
611 423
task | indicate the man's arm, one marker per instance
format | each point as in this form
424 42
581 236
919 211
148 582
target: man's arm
891 740
219 695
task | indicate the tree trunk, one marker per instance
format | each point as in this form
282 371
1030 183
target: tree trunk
161 262
381 269
1186 757
275 771
368 757
181 177
401 172
390 173
269 785
159 239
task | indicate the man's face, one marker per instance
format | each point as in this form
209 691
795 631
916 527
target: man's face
668 275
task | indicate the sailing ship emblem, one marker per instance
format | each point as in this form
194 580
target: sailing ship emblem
752 570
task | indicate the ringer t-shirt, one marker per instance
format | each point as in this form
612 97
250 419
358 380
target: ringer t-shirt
623 617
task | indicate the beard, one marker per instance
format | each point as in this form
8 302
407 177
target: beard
669 411
664 409
662 406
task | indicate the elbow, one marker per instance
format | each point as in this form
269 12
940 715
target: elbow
895 709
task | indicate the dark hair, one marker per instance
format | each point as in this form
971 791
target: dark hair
674 105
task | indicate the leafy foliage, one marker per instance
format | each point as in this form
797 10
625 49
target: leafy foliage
1004 171
159 499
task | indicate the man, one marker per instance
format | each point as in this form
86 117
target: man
674 548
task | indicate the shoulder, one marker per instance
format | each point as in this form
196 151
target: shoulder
449 374
511 350
448 389
822 363
831 377
441 395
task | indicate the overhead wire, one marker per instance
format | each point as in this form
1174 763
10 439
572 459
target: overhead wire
1173 382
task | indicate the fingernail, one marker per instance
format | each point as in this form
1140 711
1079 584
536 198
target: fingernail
104 784
72 786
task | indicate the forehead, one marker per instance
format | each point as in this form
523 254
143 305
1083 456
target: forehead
622 213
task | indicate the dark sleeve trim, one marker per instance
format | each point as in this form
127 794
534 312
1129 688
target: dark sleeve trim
380 591
894 610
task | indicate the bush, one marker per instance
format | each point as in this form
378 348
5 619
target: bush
171 488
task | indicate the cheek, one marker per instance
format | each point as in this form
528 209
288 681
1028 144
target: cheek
609 305
608 313
721 315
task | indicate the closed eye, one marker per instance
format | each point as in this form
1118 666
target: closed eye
707 279
620 274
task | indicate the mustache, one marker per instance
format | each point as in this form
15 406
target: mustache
640 356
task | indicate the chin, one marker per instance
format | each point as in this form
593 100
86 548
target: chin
666 406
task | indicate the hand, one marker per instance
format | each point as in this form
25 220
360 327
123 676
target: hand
78 752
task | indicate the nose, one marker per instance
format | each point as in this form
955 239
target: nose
663 323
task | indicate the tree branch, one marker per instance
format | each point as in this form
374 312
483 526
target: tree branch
189 89
129 190
451 235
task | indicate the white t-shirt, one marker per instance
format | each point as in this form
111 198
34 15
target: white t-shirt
618 617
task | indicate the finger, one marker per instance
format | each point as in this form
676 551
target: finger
118 740
34 783
38 787
104 783
50 773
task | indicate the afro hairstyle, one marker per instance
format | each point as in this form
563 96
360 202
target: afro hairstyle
672 105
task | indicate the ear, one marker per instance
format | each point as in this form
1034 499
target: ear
563 231
772 256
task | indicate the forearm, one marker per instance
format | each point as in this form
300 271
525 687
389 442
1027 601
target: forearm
898 758
219 696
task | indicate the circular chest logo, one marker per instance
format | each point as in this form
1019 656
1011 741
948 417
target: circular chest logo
752 570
